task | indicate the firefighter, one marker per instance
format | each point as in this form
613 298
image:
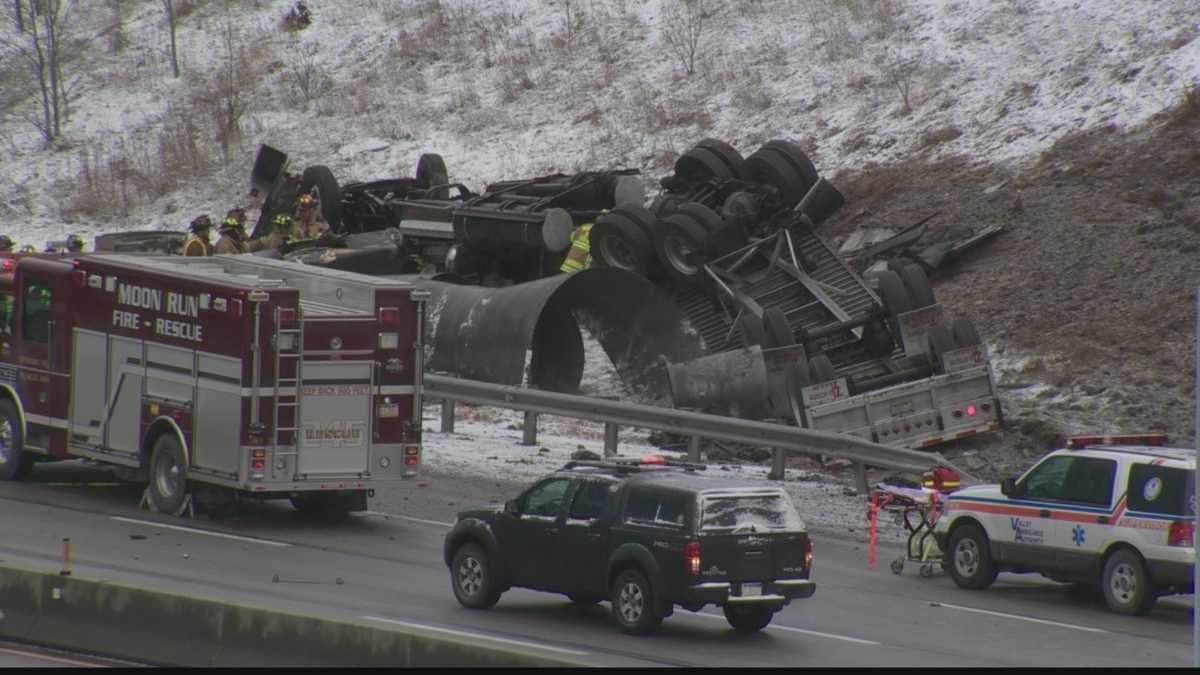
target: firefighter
199 243
233 236
285 227
7 244
309 222
74 244
579 257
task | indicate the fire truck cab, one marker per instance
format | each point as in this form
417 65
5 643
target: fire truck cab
251 375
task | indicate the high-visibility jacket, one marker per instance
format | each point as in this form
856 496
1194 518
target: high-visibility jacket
579 257
197 246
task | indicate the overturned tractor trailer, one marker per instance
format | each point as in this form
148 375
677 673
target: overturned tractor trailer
223 376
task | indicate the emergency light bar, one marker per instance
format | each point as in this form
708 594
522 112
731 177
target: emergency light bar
1081 442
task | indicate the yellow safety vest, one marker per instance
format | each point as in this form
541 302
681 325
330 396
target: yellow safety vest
579 257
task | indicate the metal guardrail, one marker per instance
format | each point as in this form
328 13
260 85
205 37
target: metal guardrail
696 425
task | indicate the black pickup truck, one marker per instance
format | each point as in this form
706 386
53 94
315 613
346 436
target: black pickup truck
646 535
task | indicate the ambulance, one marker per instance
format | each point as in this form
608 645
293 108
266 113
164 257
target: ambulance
1113 511
235 375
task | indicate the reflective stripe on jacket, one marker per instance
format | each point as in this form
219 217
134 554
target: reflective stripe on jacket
579 257
195 246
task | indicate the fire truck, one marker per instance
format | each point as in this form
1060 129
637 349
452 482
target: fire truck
232 374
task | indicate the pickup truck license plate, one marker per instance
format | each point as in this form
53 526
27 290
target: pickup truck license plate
751 590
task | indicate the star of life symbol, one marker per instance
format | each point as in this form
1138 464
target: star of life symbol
1077 535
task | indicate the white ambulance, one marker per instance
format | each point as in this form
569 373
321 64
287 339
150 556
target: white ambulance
1118 511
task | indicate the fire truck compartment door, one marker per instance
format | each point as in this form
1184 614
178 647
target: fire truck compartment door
124 387
335 414
88 390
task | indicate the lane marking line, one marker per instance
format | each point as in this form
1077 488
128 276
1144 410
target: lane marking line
45 657
801 630
481 636
1088 629
418 520
265 542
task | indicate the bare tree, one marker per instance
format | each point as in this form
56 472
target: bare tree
44 47
229 105
683 26
305 75
170 7
116 28
19 16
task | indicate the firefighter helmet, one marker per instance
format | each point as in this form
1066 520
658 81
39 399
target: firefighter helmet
74 243
6 243
283 220
307 200
201 223
237 215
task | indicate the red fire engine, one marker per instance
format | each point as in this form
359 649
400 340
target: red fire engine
238 372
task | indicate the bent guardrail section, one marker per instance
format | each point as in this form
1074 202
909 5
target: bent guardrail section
715 427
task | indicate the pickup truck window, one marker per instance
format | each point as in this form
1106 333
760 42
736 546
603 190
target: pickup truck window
589 500
1161 489
647 508
37 312
546 499
749 513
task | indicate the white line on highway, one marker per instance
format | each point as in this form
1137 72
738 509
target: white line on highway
1019 617
418 520
801 630
195 531
482 636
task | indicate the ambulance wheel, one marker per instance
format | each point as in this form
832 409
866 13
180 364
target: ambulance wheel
15 464
970 559
1127 588
898 566
168 474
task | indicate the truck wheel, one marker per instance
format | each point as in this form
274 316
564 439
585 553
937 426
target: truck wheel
1127 587
940 341
796 156
822 369
168 474
665 204
15 463
964 332
619 242
682 246
701 164
894 295
710 220
471 578
748 619
752 330
327 187
917 283
431 170
970 560
778 332
643 217
877 340
796 379
728 154
769 167
633 604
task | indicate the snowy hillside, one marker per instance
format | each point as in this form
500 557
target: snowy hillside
510 88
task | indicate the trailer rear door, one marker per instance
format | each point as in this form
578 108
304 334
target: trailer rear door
335 417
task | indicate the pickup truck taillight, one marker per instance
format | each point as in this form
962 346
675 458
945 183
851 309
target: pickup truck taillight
808 556
691 557
1180 533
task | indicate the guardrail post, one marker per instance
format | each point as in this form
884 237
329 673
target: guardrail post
447 416
777 455
530 428
610 439
694 449
860 478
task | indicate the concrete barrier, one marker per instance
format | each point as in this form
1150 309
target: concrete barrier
123 621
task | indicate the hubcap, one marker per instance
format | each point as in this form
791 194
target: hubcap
631 602
470 576
1123 583
167 476
6 438
678 252
617 252
966 557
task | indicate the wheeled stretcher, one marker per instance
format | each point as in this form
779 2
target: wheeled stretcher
917 509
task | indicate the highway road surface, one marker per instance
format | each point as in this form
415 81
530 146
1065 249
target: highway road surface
386 567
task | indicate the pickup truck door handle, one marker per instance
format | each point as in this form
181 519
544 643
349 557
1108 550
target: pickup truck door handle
1103 520
1044 513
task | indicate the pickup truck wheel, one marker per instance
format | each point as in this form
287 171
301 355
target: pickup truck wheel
778 331
917 283
1127 587
471 578
748 619
619 242
633 603
168 474
15 463
970 560
327 187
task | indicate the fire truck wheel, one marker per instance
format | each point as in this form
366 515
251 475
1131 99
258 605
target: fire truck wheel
327 188
917 283
1127 588
168 474
822 369
471 578
778 332
970 559
941 340
15 464
964 332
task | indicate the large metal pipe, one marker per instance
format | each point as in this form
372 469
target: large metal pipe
529 334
